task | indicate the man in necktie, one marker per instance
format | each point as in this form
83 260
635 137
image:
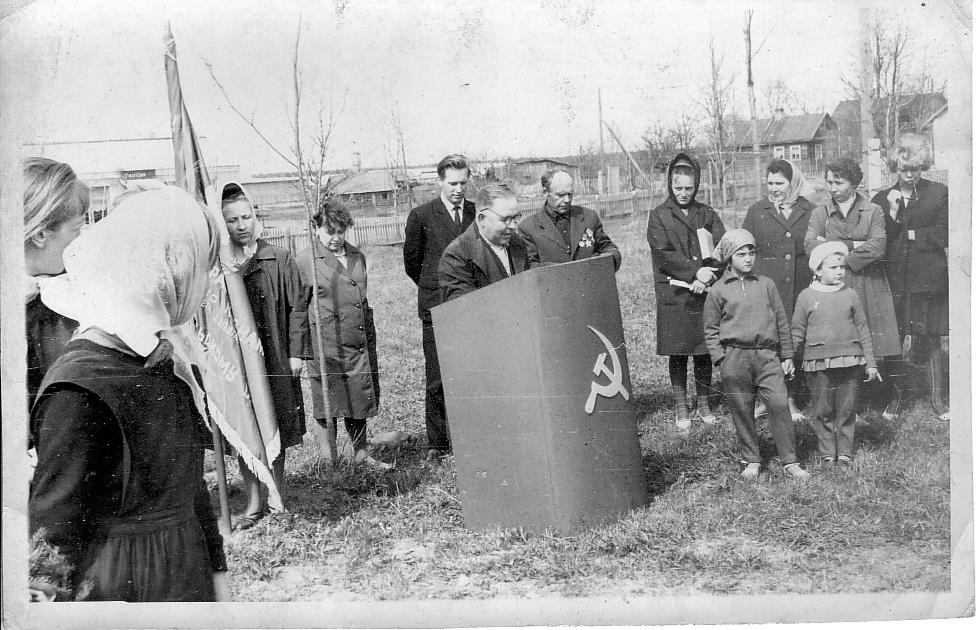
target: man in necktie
430 228
561 232
490 250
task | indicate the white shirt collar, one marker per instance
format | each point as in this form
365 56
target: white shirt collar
500 251
450 206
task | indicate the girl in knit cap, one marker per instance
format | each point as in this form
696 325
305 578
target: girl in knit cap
748 337
829 322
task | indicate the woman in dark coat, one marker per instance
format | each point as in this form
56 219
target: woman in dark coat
119 488
682 275
348 335
55 202
779 225
273 288
917 223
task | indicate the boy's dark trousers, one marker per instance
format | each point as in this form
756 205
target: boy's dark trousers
835 398
746 372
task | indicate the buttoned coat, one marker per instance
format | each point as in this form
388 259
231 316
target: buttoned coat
917 266
779 247
430 229
864 224
676 254
468 263
587 238
348 331
273 287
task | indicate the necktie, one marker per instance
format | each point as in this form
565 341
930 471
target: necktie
457 218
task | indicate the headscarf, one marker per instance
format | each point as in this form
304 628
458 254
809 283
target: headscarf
799 187
140 271
232 255
683 159
731 242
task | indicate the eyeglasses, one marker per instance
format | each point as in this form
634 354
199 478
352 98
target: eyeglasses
509 221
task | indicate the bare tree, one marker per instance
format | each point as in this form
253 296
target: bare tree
724 134
899 82
777 95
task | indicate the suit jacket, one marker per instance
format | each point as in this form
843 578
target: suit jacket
545 244
430 229
469 264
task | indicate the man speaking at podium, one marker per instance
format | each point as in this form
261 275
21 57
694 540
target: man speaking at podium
488 251
562 232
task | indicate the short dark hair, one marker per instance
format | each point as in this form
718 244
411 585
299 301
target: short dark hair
456 161
546 178
845 168
782 167
490 192
332 212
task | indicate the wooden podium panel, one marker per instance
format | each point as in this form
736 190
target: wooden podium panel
539 400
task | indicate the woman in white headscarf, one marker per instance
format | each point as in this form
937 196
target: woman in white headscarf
779 224
118 488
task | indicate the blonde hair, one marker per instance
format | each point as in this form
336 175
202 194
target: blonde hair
912 150
52 195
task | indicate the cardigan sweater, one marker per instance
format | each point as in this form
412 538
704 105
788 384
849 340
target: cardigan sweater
746 312
831 324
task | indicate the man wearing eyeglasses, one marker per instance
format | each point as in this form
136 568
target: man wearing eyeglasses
488 251
562 232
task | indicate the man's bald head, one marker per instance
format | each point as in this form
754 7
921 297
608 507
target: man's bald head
558 187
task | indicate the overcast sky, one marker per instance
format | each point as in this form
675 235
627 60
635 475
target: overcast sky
491 79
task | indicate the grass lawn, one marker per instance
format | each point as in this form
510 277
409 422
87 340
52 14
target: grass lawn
355 534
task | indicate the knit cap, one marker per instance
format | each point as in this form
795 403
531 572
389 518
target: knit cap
731 242
821 251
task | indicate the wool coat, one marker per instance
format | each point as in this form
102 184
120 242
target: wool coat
586 238
469 264
864 224
347 329
273 286
677 255
779 247
917 266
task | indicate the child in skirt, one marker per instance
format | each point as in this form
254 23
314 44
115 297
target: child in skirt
830 323
748 338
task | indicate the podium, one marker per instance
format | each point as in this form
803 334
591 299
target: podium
539 400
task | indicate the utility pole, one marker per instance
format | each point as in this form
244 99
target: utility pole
752 105
626 152
601 175
866 93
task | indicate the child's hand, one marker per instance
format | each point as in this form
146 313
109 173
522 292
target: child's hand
873 375
788 368
698 287
906 348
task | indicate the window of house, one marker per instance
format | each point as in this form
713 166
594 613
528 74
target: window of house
818 152
385 196
795 152
779 152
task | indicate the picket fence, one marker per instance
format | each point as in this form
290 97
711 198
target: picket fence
390 230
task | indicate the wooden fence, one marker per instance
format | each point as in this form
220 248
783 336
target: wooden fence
390 230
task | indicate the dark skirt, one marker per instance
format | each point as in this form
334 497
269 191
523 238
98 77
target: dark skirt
680 328
928 313
160 557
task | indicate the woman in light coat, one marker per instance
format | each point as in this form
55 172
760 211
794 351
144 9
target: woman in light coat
345 329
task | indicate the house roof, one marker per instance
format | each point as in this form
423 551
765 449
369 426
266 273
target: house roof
929 101
366 182
796 128
105 156
544 160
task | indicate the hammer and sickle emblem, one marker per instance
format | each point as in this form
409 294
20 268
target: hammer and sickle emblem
614 373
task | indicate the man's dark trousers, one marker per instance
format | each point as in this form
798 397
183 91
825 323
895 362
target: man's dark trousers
438 434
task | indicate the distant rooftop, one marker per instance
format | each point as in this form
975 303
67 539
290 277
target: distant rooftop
366 182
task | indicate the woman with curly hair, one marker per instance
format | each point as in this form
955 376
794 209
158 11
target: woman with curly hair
853 219
916 212
346 330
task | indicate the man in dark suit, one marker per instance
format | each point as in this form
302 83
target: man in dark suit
430 228
488 251
562 232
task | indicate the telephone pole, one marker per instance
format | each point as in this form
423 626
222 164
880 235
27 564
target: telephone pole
600 178
752 105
